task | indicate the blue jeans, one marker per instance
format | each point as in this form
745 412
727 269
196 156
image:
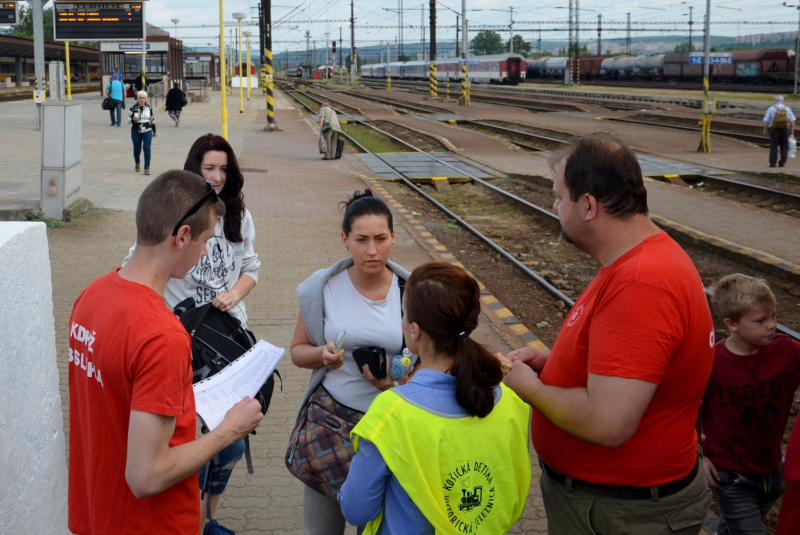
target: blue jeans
118 108
221 467
142 139
744 501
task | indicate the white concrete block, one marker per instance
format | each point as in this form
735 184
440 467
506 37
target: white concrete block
33 468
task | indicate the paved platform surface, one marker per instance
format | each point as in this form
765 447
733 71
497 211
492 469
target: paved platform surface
297 219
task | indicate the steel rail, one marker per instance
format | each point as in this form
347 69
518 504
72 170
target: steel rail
785 195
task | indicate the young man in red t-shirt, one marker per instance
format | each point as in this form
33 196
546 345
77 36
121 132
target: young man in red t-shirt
616 401
746 405
133 459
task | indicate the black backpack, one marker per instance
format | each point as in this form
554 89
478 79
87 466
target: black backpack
217 340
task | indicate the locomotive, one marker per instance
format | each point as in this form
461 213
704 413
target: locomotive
750 66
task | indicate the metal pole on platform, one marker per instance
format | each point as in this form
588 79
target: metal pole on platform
797 51
69 74
249 68
240 17
434 81
144 42
271 125
38 51
222 73
705 142
353 56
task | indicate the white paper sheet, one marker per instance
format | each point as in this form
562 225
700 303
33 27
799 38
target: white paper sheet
213 397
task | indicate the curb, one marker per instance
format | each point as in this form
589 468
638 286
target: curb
727 249
498 313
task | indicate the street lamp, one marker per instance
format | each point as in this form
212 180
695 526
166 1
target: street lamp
249 82
240 17
224 111
175 22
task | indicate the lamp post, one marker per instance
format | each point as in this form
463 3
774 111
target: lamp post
249 82
175 22
224 111
240 17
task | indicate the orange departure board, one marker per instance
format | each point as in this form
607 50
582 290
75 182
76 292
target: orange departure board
8 14
107 21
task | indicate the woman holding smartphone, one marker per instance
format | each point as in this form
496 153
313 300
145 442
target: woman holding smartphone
359 296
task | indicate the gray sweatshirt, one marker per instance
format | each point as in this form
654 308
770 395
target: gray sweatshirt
309 295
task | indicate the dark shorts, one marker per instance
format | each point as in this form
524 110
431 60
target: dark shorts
222 467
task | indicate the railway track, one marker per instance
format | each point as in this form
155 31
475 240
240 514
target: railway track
540 143
512 199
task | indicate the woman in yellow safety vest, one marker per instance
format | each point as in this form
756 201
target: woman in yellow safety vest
448 451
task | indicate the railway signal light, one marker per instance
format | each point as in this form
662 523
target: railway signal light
334 47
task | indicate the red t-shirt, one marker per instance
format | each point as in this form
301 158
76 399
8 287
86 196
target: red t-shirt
643 317
789 518
746 406
126 352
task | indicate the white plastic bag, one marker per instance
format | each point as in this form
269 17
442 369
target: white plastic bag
792 146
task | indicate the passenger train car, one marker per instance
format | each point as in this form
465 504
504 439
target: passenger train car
496 69
8 70
751 66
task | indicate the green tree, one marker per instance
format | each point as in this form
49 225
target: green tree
520 46
404 57
683 48
486 43
25 26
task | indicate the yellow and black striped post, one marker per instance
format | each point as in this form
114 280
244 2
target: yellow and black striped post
270 97
388 78
434 82
464 88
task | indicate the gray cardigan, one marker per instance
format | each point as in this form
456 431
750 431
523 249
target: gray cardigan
309 295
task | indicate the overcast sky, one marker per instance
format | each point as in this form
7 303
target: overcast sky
760 16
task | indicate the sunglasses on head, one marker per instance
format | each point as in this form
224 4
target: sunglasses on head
211 194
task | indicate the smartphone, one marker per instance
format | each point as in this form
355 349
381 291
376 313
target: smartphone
374 357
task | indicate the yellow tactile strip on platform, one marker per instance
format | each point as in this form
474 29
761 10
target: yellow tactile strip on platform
502 315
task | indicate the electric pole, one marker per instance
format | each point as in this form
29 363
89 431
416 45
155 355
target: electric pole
628 37
511 28
599 35
690 28
400 24
434 80
354 57
266 48
327 40
457 32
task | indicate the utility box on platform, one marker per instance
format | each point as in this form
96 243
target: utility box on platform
61 156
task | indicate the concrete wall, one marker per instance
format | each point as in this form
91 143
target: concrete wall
33 468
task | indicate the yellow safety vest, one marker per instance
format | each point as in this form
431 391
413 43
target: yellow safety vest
465 474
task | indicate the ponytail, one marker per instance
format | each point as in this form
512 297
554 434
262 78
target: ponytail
477 374
445 302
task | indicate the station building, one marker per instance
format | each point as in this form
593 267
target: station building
17 61
163 59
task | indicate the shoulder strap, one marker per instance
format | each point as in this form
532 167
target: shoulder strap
401 282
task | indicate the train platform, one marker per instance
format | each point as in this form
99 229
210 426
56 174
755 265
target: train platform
293 196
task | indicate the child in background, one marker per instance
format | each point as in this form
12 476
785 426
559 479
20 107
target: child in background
746 405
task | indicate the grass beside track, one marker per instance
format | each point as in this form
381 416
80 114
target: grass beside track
372 140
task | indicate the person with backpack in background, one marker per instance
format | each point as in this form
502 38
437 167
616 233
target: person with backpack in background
224 276
116 92
778 125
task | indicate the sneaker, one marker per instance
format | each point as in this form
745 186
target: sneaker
177 123
113 124
215 528
147 171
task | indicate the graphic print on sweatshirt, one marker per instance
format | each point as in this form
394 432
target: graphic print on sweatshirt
212 273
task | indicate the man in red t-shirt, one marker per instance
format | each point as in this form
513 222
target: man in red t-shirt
133 459
747 404
789 518
616 400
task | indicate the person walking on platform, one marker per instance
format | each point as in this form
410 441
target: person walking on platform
141 82
116 92
408 473
779 125
224 276
176 100
359 296
143 129
329 124
616 399
133 456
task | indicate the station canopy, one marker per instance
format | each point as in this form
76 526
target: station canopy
11 46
